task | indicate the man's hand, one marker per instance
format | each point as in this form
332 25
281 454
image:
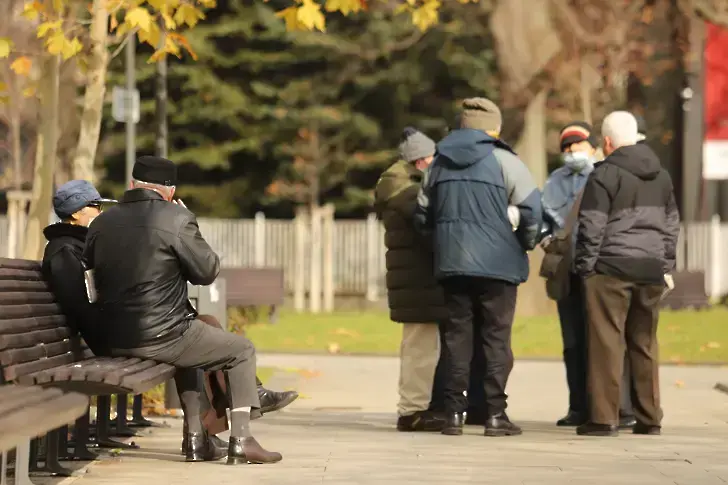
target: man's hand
546 241
179 202
669 282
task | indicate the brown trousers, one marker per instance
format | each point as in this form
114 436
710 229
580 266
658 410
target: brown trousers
618 313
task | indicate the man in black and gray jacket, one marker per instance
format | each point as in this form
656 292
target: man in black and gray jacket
626 243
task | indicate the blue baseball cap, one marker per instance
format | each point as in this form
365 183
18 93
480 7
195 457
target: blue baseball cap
73 196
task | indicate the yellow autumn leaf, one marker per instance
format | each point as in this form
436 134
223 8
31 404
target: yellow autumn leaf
333 348
31 10
21 66
3 87
59 6
150 36
290 17
114 23
427 15
182 41
55 43
46 27
208 3
4 100
188 14
29 92
168 20
5 46
157 4
309 14
344 6
139 17
71 48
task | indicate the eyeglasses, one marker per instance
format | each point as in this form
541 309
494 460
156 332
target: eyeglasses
94 206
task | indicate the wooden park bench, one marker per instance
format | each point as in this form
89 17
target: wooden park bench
255 287
28 412
37 348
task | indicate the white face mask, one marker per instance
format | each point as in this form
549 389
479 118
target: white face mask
577 161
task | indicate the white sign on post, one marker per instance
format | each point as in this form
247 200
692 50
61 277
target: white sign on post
124 105
715 159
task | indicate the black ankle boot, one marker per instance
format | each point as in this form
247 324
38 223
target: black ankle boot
248 450
200 448
454 424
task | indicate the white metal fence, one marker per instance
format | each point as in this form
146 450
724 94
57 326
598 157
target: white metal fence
358 251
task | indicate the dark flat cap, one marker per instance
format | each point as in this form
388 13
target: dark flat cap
155 170
73 196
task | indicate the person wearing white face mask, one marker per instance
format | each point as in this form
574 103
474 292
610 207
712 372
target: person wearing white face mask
561 195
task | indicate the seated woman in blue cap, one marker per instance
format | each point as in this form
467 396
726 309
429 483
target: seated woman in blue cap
76 203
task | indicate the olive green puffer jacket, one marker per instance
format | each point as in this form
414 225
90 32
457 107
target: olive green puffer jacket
414 296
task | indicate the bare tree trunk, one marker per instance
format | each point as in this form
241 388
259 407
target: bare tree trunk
16 142
45 161
93 101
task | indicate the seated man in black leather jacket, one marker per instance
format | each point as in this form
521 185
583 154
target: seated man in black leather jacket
77 203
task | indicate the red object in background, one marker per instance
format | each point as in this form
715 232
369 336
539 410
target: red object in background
716 83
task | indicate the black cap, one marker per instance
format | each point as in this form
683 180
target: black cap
155 170
576 132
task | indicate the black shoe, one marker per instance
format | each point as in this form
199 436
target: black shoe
627 422
640 428
421 421
572 419
594 429
271 401
201 448
214 441
453 424
500 425
248 450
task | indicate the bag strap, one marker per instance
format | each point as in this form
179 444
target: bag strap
573 213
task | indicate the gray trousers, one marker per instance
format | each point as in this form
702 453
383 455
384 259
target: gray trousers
207 348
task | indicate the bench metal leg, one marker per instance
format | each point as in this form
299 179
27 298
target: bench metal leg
63 443
121 428
103 410
3 469
22 459
51 464
138 420
81 440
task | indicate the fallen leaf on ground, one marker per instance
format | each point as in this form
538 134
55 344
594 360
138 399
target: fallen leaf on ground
713 345
346 332
679 383
333 348
308 373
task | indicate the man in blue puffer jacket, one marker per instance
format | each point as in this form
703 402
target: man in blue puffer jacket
479 259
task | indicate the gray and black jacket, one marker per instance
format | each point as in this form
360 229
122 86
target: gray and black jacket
628 220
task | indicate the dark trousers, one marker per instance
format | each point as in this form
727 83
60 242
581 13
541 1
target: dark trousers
619 314
469 301
204 347
476 393
572 316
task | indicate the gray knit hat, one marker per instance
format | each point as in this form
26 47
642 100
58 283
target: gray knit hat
481 114
415 145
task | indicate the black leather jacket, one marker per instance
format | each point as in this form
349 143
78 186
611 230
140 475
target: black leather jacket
143 252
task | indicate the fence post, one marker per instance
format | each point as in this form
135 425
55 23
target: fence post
327 266
299 260
314 288
372 265
259 229
716 265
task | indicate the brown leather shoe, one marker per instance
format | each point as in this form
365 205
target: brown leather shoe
201 448
640 428
595 429
248 450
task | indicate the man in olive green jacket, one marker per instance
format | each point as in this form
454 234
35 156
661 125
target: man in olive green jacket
415 299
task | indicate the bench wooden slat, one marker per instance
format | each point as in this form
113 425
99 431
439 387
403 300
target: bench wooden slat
149 378
115 377
20 285
28 339
25 297
39 351
20 274
20 372
95 369
27 311
28 324
36 412
26 264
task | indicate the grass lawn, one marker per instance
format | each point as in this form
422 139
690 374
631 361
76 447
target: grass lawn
685 336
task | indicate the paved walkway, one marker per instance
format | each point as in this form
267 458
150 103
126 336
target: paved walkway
341 433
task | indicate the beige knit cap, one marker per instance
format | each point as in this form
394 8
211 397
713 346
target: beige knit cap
481 114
